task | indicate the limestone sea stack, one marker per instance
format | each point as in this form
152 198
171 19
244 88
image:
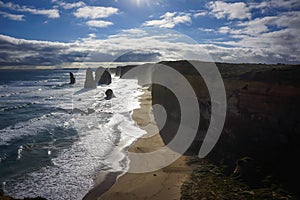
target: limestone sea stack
102 76
89 79
109 94
72 78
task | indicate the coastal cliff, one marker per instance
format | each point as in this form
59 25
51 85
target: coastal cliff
263 102
256 154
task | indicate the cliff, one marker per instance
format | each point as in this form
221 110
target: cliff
263 102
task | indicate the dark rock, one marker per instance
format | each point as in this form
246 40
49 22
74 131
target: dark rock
90 111
89 79
109 94
246 170
102 76
72 78
245 87
121 70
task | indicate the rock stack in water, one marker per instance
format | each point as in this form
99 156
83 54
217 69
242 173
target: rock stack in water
102 76
109 94
72 78
89 79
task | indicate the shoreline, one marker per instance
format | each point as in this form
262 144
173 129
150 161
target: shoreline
162 184
108 179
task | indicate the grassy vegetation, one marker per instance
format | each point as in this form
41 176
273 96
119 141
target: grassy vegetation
210 182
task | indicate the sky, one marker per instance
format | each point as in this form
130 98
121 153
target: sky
55 32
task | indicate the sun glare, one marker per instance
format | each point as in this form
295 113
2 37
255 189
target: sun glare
142 2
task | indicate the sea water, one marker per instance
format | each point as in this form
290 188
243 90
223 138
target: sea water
50 145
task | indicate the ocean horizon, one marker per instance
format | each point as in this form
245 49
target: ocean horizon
73 65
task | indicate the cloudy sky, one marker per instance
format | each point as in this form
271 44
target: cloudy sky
54 32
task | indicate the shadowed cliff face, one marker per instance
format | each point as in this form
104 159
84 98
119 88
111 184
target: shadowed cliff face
263 106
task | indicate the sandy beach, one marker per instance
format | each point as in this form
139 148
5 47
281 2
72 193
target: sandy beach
161 184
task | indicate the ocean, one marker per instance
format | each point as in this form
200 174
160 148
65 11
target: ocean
50 145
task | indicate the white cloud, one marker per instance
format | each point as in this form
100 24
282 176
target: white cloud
206 29
69 5
259 5
50 13
15 52
269 48
289 20
99 23
277 36
12 16
238 10
255 27
92 35
252 28
282 42
26 42
135 32
9 5
258 26
95 12
170 20
199 14
287 4
182 19
224 29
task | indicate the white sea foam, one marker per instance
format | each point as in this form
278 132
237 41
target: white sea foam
103 135
30 127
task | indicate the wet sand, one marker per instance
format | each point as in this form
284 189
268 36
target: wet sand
161 184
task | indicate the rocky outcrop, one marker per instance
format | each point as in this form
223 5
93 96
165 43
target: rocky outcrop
245 170
72 78
109 94
89 79
121 70
102 76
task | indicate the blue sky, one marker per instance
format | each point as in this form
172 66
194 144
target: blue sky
53 32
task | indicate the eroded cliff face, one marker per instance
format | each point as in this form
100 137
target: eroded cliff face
263 106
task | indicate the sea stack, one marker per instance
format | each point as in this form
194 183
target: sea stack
72 78
89 79
102 76
109 94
